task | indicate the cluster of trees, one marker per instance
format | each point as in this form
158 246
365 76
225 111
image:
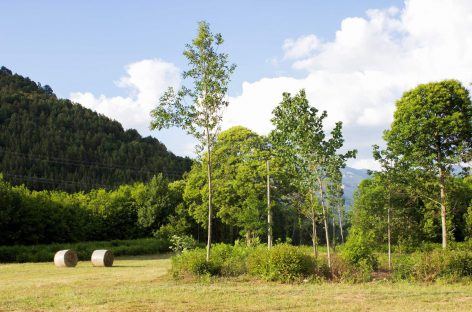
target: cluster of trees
50 143
419 194
431 133
310 160
41 217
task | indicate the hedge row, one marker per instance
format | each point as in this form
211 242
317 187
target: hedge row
45 253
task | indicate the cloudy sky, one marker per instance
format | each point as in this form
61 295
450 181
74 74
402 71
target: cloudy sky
354 58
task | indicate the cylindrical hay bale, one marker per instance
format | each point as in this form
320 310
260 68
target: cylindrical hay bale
65 258
102 257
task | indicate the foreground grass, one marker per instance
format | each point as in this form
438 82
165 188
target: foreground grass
141 283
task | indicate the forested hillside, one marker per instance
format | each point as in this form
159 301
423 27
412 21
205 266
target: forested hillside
51 143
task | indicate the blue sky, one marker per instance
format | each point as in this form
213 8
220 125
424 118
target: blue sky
84 45
103 54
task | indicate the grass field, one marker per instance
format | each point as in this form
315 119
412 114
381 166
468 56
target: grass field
141 284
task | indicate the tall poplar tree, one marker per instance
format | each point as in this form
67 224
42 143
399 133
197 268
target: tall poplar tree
201 117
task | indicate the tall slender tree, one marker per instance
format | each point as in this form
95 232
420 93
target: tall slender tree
389 174
209 72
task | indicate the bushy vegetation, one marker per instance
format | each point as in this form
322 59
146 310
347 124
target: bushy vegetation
43 217
449 266
45 253
359 249
283 263
288 264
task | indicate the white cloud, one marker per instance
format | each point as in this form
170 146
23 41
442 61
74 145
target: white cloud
300 47
372 60
145 80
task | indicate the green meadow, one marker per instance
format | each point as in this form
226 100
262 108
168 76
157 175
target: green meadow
142 283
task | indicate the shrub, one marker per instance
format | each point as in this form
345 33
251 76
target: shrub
283 263
358 250
225 260
231 259
182 243
193 262
450 265
343 271
403 267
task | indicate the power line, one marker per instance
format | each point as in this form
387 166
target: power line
173 174
142 173
21 178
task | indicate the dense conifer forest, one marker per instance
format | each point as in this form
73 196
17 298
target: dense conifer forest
52 143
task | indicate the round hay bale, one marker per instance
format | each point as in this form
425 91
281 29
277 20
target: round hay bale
102 258
65 258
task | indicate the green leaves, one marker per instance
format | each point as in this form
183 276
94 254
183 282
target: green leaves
432 126
299 137
198 110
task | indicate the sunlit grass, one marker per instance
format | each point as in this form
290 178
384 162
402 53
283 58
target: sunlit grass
141 283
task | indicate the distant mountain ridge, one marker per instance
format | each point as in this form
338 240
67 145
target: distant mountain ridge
51 143
351 179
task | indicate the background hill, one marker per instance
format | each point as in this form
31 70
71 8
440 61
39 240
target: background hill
351 179
51 143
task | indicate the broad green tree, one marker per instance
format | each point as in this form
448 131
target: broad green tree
201 116
432 131
240 180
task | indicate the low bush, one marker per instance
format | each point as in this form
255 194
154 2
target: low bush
359 250
283 263
181 243
193 263
343 271
225 260
45 253
403 267
449 265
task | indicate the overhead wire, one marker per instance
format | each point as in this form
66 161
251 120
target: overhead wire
169 174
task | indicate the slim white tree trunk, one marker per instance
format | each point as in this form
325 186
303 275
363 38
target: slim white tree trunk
340 223
209 196
334 234
389 233
269 211
443 207
325 217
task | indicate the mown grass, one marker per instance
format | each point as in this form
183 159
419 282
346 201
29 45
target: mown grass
142 284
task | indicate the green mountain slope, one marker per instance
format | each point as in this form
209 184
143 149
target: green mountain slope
51 143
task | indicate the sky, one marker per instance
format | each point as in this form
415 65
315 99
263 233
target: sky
353 58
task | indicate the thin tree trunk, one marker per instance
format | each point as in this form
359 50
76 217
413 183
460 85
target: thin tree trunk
334 234
443 207
389 233
269 211
299 230
325 221
313 227
209 196
340 223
